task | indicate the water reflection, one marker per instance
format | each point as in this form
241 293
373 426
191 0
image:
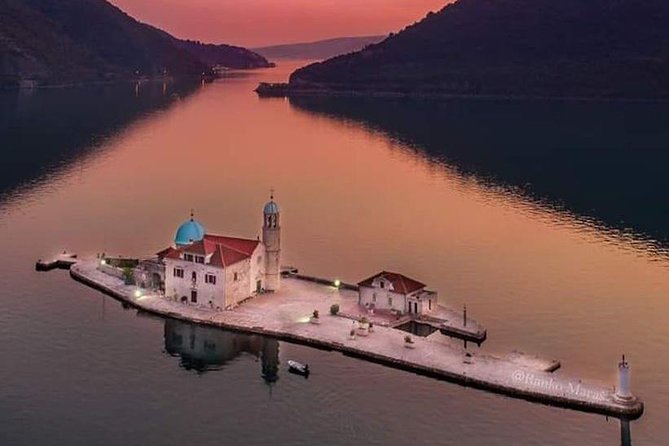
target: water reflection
203 349
603 161
46 130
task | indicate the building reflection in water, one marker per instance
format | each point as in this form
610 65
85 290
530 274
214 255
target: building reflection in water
203 349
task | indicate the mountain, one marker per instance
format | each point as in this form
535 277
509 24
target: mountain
224 55
321 49
60 41
565 48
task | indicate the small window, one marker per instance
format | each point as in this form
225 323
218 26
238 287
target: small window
188 257
178 272
382 284
199 259
210 278
236 277
193 296
194 276
390 301
374 297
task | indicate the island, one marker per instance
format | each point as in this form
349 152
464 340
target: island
239 284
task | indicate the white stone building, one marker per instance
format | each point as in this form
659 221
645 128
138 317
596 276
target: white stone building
219 271
395 292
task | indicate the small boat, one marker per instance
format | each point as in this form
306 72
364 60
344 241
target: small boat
298 368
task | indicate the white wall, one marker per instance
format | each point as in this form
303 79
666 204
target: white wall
382 295
237 288
176 287
227 292
257 269
426 301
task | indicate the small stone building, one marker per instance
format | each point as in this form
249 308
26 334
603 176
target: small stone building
395 292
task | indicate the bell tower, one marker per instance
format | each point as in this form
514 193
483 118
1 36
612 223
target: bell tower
271 238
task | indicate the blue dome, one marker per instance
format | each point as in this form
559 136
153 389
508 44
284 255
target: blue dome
190 231
271 208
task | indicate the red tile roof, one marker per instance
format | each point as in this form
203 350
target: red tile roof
401 284
165 252
225 251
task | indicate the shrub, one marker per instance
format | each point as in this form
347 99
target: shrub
334 309
408 339
128 276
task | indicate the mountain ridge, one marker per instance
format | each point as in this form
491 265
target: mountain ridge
318 49
572 48
63 41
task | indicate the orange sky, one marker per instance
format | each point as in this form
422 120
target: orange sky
265 22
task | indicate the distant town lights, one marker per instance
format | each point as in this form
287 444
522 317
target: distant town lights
103 262
337 283
138 293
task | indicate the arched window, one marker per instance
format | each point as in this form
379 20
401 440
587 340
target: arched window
194 276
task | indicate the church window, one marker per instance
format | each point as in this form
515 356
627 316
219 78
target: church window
178 272
210 278
382 284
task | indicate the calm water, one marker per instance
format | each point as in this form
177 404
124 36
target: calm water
549 220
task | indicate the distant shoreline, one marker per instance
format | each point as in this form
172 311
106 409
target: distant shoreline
121 80
285 90
82 83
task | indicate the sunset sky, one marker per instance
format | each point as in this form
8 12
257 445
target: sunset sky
267 22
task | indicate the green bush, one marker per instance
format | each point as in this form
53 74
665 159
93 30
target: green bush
128 276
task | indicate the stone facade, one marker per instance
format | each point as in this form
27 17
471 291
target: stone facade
209 285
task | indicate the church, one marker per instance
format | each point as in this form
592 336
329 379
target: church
219 272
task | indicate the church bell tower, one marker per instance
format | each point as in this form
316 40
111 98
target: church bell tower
271 238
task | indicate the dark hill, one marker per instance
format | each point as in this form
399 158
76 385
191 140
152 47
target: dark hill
609 48
56 41
224 55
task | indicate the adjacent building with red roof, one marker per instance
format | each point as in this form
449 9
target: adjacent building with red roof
395 292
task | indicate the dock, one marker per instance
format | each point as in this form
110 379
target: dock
286 315
64 260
